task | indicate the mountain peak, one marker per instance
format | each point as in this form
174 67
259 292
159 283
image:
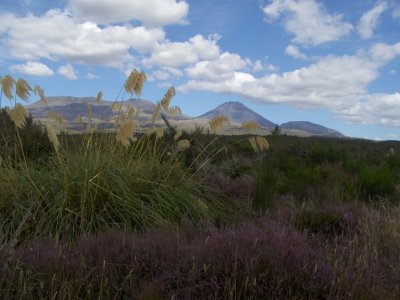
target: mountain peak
237 112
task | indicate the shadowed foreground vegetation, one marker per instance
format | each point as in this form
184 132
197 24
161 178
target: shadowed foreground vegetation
165 214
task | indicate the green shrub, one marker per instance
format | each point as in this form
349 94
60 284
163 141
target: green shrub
319 221
31 141
376 182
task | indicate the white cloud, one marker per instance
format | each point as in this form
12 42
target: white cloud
150 12
165 73
175 54
259 66
382 109
220 69
33 68
90 75
369 20
308 21
56 35
294 52
68 72
337 83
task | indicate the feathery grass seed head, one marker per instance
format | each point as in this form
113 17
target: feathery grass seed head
218 122
166 100
125 131
88 111
79 120
150 131
174 111
250 126
99 97
18 115
156 113
23 89
259 143
7 85
135 82
159 133
183 145
39 91
51 133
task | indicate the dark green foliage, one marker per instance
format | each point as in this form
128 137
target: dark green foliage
322 169
376 181
30 141
320 221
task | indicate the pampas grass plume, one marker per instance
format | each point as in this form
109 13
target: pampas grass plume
250 126
23 89
156 113
18 115
7 84
166 100
259 143
174 111
99 97
51 133
218 122
39 91
124 133
159 133
183 145
88 111
135 81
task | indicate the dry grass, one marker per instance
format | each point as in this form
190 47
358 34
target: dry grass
135 82
51 133
99 97
166 100
7 85
23 89
250 126
39 91
183 145
217 122
18 115
124 133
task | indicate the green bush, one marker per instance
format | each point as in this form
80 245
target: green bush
31 141
319 221
376 182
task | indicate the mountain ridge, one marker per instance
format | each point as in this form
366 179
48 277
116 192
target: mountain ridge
237 112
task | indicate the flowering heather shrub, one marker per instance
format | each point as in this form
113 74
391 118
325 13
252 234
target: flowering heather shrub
330 220
238 188
255 261
262 259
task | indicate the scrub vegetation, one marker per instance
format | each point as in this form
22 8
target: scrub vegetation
150 212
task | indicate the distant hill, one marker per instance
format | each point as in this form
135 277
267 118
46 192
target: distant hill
312 128
238 113
71 107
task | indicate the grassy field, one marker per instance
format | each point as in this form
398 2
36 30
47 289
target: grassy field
173 215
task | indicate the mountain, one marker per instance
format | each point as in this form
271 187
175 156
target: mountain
237 113
72 107
313 129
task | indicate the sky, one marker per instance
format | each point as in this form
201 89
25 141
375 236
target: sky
332 62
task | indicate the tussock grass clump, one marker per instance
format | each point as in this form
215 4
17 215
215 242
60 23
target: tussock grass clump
125 181
85 191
